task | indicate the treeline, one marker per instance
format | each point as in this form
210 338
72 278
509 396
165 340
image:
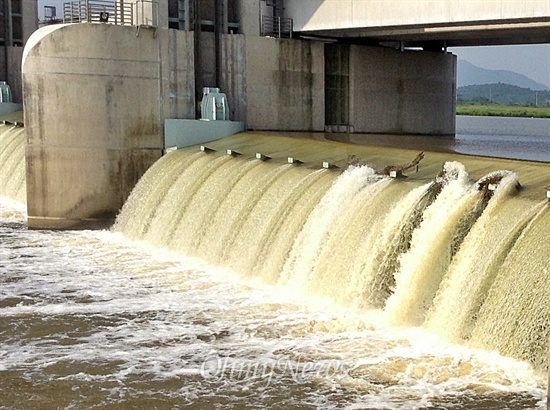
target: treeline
504 94
501 110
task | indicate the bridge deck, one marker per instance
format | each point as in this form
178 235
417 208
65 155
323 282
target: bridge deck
448 22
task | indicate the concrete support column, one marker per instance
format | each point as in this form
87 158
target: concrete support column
395 92
186 15
233 75
249 17
178 75
285 84
93 119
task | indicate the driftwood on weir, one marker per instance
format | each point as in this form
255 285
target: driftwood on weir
353 160
400 168
494 179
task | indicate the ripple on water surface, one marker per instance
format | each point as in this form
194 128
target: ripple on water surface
88 320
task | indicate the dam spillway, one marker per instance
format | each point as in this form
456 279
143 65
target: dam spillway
329 233
375 267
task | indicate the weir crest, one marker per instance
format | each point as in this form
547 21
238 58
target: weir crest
439 255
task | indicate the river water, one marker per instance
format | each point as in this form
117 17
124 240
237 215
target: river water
513 138
95 319
90 320
521 138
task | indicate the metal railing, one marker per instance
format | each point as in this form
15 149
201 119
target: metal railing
102 11
279 27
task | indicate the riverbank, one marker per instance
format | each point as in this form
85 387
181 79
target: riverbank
497 110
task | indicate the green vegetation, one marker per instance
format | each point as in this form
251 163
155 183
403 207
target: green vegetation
504 94
502 100
498 110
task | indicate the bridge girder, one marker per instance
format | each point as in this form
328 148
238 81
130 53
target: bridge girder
480 33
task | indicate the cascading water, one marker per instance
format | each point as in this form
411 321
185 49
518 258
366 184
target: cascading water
514 316
91 319
12 163
427 257
425 264
473 270
208 220
392 240
333 219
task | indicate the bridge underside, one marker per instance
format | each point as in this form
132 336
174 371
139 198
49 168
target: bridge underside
429 23
437 36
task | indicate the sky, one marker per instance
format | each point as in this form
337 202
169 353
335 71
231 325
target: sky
530 60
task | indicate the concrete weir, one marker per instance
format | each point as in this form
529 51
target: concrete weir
98 99
93 119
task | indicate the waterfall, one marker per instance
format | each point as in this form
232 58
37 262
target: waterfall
425 264
514 317
393 239
451 256
12 163
331 221
475 267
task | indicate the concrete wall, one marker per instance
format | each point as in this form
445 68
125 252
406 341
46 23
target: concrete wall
206 67
93 117
249 17
232 71
178 74
409 92
331 14
30 18
285 84
11 72
233 75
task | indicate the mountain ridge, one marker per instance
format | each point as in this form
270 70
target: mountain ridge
470 74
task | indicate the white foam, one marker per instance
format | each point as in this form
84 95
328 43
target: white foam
92 308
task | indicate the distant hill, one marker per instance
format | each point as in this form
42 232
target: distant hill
469 74
502 94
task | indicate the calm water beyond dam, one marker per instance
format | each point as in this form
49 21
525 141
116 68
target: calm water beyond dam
232 283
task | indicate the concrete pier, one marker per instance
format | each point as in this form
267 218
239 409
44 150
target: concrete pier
92 118
96 98
296 85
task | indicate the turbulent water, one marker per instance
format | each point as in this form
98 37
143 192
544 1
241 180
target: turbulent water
90 320
233 283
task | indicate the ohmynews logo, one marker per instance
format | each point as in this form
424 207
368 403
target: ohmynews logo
218 368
